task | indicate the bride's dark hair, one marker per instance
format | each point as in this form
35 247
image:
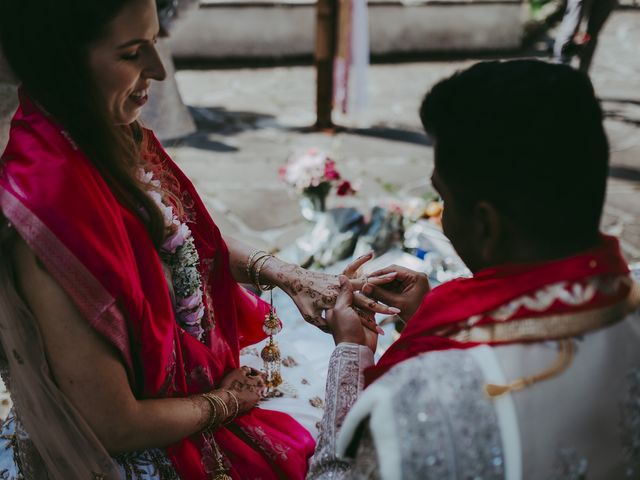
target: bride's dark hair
46 43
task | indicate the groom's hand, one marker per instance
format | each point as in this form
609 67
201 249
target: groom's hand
405 292
345 322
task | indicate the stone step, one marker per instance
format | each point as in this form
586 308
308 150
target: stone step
254 29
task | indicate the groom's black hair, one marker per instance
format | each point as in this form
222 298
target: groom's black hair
526 136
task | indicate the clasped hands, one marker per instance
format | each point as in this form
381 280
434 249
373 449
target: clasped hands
399 288
393 290
350 302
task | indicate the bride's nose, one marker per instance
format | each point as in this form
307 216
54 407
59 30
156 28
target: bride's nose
155 69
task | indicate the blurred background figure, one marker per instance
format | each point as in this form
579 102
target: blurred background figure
568 43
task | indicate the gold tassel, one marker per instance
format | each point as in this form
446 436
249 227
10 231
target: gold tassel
221 472
221 476
565 356
271 353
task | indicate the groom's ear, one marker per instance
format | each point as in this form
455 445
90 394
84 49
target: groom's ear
488 229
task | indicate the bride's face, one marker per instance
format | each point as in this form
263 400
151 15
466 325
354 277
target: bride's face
125 60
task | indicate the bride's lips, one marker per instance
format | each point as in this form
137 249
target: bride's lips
139 98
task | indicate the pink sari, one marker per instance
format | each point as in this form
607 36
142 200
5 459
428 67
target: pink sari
104 259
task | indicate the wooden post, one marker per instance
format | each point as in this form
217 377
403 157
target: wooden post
326 37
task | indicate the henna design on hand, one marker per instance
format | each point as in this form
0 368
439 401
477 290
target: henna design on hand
239 386
312 292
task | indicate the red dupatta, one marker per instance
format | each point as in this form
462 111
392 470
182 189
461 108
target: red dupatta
103 257
491 297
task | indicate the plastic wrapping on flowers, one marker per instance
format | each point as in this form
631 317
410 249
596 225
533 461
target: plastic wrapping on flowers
407 224
405 231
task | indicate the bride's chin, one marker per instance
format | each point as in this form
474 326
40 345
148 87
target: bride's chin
127 119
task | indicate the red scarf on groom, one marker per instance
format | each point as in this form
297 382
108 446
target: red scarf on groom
466 302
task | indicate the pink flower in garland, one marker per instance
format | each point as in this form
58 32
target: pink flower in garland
180 255
177 238
191 302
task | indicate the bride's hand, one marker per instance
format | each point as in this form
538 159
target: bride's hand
314 292
247 384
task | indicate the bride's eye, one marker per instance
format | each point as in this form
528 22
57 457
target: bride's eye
131 55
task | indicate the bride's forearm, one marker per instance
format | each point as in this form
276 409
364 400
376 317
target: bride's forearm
272 271
287 276
239 253
155 424
311 291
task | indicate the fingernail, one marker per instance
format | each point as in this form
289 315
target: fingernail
342 279
394 310
380 330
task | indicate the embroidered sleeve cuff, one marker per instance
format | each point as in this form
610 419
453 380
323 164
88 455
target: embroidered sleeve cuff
345 381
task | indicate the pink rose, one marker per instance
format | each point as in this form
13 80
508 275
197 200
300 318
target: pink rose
190 302
176 239
194 317
330 172
194 330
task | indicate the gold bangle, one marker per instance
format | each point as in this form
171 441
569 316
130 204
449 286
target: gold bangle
221 404
235 399
251 262
258 269
213 416
253 271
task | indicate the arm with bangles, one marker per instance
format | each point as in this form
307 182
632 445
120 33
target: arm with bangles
311 291
92 376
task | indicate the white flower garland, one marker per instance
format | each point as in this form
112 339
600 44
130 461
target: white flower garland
179 253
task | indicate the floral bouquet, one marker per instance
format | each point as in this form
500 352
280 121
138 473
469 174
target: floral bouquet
313 174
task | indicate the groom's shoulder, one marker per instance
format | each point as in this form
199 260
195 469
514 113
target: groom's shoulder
432 368
439 405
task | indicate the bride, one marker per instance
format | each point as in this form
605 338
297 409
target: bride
121 318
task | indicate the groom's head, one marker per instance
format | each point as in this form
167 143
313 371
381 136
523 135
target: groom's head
521 160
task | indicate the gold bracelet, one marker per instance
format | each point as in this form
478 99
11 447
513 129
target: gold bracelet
213 416
235 399
213 398
221 404
252 269
251 262
257 270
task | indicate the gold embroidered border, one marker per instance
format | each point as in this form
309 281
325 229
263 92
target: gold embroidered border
553 326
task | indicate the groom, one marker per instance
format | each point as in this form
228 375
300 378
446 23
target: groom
471 387
521 162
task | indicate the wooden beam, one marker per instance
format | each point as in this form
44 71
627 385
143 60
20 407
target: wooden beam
326 38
